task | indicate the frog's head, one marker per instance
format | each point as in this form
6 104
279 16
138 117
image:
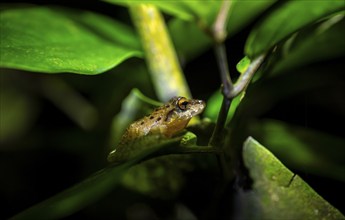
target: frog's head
184 109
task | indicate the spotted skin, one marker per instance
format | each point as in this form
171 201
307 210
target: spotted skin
167 120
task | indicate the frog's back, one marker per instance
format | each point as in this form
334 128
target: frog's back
134 136
146 125
165 121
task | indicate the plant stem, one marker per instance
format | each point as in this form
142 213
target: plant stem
174 150
243 81
217 135
219 27
229 89
219 34
161 58
221 56
190 150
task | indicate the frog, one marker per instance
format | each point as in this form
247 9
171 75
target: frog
165 121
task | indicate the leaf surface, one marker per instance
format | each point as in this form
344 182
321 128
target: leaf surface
63 40
288 18
278 194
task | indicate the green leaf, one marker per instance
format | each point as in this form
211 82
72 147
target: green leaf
278 194
186 10
243 64
158 144
190 38
63 40
194 18
323 42
302 148
288 18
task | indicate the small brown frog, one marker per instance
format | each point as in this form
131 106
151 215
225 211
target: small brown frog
166 121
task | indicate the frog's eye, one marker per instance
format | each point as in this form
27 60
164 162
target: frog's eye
182 104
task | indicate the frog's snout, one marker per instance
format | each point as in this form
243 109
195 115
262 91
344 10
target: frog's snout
201 103
199 106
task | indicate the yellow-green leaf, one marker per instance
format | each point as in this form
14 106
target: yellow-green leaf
278 194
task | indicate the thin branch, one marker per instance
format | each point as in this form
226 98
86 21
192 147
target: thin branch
243 81
231 90
219 34
217 134
223 68
219 27
171 150
187 150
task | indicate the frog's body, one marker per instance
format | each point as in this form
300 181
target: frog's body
165 121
